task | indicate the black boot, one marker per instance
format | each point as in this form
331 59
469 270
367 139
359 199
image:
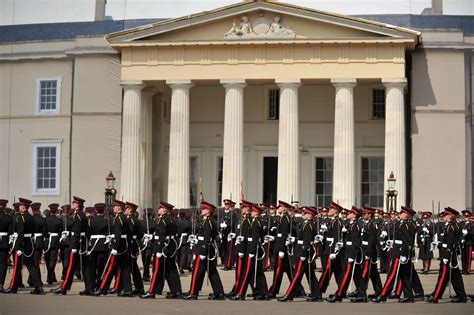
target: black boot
237 298
459 299
314 299
359 299
38 291
353 294
409 299
393 296
125 294
334 298
217 297
379 299
285 298
174 296
418 297
10 291
190 297
147 295
59 290
431 299
100 292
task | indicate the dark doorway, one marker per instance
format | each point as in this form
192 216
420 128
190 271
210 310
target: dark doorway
270 171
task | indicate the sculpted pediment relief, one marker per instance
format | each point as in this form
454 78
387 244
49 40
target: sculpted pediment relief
261 27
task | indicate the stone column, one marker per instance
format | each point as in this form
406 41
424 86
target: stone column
233 139
395 157
130 179
178 174
146 152
344 160
288 141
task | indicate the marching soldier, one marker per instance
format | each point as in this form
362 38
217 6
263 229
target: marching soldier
402 248
424 240
53 227
38 236
77 246
118 258
23 248
254 273
227 228
147 226
135 235
205 253
97 252
352 254
184 255
467 229
448 267
6 229
304 255
65 239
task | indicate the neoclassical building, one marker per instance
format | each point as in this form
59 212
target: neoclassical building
261 99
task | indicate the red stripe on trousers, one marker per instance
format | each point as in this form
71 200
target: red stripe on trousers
292 285
366 267
196 268
343 283
469 259
117 279
239 269
399 288
111 264
267 259
69 268
155 273
389 280
246 276
277 273
440 283
12 282
229 259
328 264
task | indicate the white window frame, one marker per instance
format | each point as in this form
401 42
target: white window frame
266 102
40 111
35 144
371 104
359 154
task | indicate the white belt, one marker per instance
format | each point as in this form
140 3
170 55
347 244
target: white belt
249 239
300 242
82 233
97 236
3 234
134 237
329 239
279 235
349 243
66 232
123 236
184 234
27 235
172 237
200 238
38 234
399 242
365 243
53 234
445 245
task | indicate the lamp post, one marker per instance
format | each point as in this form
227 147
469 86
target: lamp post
110 191
391 193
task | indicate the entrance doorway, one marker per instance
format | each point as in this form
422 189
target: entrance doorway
270 171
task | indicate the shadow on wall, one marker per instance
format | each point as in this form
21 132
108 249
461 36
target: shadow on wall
422 90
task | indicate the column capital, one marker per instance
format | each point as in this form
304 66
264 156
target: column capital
236 83
180 84
132 84
394 82
282 83
344 82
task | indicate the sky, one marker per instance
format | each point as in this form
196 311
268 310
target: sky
44 11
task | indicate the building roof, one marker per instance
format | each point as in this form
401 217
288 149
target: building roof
68 31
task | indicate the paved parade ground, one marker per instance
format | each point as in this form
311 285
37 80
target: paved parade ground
73 303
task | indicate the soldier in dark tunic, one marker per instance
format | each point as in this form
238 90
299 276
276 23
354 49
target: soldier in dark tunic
227 229
425 233
467 229
147 227
6 229
39 236
51 251
134 237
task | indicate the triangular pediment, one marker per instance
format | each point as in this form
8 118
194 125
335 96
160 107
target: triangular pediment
262 21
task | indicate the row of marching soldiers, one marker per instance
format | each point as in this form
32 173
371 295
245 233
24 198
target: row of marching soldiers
288 239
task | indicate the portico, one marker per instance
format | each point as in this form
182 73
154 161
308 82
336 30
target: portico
214 82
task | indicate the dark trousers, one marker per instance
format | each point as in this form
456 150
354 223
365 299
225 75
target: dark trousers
282 265
136 276
391 277
248 277
239 270
165 269
76 261
330 267
117 262
37 254
3 266
370 272
33 270
64 255
446 274
304 268
185 257
147 254
95 268
466 256
199 271
350 269
51 258
229 255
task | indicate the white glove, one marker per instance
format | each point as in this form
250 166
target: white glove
202 257
240 238
403 259
73 250
434 244
241 255
389 243
425 229
231 235
108 238
367 257
251 255
344 230
350 260
318 238
332 256
273 228
195 241
113 252
445 261
269 238
64 234
324 227
159 255
303 258
281 254
223 225
19 252
147 237
292 239
464 232
339 245
383 234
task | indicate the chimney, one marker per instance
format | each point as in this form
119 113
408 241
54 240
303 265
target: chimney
437 7
100 10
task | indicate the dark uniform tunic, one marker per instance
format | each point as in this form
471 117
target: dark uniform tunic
6 229
282 259
330 266
369 250
99 229
147 227
51 246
